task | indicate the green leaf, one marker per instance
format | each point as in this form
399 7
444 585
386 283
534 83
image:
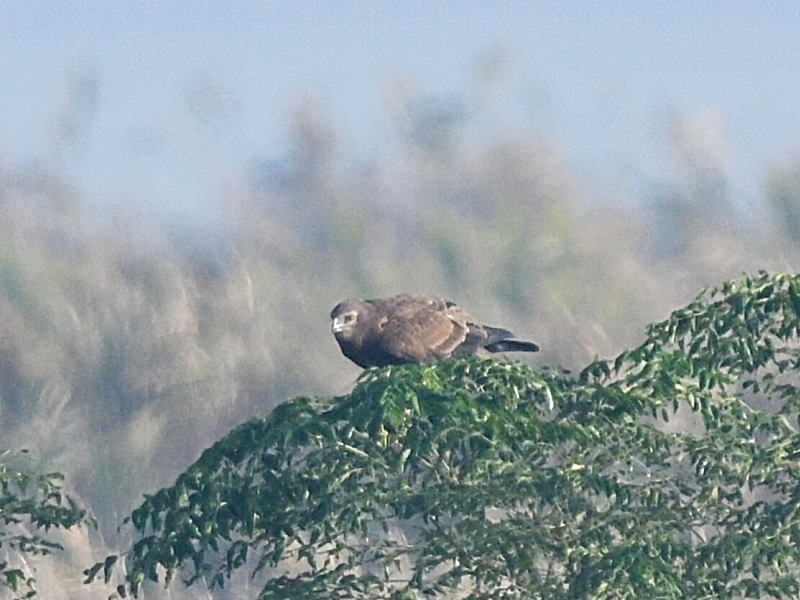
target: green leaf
108 566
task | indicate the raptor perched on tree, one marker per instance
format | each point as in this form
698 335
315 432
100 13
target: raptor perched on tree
409 329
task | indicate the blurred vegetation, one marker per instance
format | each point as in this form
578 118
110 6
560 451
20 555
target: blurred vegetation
129 343
784 194
485 480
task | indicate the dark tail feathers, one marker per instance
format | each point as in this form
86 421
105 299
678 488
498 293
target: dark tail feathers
512 346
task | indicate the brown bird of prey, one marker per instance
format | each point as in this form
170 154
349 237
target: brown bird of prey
413 329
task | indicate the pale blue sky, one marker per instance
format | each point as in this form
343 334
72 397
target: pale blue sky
599 74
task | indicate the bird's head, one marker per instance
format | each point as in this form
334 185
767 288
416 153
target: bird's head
346 317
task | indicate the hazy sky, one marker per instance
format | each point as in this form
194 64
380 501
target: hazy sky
595 75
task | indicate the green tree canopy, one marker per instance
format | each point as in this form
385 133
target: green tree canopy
30 504
669 472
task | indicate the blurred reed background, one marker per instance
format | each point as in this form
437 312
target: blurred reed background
130 342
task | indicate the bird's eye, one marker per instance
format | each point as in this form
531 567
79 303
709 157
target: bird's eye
348 318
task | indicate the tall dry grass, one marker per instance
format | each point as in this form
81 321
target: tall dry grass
126 347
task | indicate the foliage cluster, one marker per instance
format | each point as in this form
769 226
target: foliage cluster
495 480
30 505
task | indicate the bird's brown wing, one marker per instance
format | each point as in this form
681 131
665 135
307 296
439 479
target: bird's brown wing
420 329
477 335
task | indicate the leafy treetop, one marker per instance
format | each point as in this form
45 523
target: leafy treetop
495 480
